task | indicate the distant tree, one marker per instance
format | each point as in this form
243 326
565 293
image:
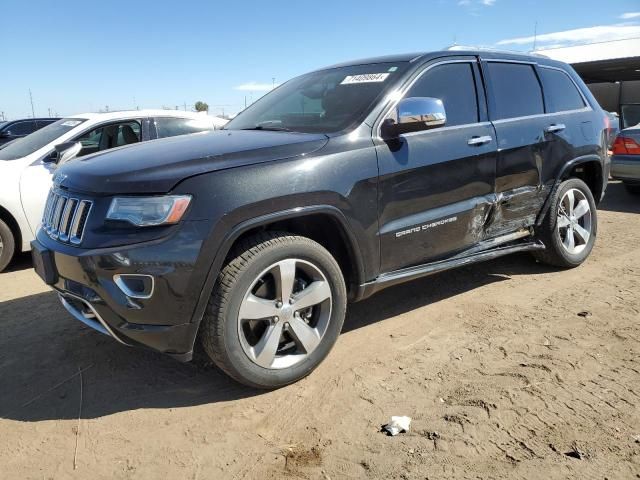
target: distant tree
201 106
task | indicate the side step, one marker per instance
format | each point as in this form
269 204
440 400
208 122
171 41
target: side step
399 276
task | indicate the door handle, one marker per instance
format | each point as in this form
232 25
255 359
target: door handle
475 141
555 127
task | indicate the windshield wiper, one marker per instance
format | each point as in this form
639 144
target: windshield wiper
268 128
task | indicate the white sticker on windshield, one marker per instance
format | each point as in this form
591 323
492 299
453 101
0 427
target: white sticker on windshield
71 123
365 78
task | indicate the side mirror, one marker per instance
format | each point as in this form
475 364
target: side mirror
63 152
415 114
6 134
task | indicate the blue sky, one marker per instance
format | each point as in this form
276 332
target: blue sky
82 56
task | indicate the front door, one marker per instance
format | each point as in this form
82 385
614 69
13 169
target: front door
436 187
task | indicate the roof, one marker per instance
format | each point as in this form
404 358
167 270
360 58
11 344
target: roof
453 52
137 113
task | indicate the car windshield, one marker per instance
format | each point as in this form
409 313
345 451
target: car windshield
38 139
325 101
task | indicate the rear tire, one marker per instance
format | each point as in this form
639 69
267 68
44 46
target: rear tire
257 327
632 188
7 245
571 217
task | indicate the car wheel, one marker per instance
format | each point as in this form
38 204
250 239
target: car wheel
276 310
7 245
632 188
569 229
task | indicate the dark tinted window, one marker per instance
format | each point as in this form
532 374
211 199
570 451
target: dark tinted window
516 90
561 92
22 128
44 123
630 115
454 85
171 127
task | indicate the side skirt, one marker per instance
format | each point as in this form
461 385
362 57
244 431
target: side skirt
465 258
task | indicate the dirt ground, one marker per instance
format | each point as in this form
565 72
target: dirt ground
509 369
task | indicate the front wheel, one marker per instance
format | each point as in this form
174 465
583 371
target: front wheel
7 245
276 311
569 229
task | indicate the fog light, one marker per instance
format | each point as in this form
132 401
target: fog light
134 285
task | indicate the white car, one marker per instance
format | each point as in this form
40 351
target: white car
27 165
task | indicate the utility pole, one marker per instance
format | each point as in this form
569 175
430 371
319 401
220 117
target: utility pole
49 110
273 83
185 106
535 35
33 112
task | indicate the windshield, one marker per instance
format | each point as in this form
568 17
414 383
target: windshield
326 101
38 139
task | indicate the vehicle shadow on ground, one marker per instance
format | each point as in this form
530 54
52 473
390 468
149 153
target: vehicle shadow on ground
42 350
618 199
21 261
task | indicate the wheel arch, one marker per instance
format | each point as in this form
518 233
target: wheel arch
587 168
12 223
300 221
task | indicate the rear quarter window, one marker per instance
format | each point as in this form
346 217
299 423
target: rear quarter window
561 93
515 89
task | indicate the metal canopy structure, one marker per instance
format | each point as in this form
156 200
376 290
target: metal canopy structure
613 61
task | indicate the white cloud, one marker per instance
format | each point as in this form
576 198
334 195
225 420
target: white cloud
255 87
474 3
600 33
488 3
630 15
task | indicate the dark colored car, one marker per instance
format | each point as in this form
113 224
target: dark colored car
625 162
250 241
15 129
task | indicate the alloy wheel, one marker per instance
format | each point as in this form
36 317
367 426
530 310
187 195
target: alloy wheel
284 314
574 221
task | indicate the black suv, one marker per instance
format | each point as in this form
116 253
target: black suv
15 129
249 241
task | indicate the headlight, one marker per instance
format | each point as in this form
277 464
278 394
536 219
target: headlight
149 211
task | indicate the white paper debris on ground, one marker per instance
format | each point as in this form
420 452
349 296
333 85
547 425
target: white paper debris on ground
397 425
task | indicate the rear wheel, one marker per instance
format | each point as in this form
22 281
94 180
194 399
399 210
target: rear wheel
276 311
569 229
632 188
7 245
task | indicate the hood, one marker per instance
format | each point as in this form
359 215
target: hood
157 166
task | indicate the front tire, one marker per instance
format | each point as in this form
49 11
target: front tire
569 229
276 310
7 245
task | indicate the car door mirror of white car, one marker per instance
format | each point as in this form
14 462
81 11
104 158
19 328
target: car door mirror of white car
63 152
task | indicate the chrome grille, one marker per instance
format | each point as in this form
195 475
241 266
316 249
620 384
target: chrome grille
65 217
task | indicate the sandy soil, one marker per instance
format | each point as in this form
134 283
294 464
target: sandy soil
509 369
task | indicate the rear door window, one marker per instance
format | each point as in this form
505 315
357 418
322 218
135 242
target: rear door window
454 84
516 90
173 126
560 91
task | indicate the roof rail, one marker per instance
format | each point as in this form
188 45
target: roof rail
455 47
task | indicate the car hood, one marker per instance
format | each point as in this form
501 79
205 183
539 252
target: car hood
157 166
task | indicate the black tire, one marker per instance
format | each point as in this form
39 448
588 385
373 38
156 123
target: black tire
219 329
555 253
8 245
632 188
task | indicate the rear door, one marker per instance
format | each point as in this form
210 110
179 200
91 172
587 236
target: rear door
436 187
516 108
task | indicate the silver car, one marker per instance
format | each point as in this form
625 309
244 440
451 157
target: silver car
625 162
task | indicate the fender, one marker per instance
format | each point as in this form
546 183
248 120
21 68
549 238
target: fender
267 219
567 167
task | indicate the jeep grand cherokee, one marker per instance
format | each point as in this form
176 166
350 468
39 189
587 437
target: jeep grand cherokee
250 241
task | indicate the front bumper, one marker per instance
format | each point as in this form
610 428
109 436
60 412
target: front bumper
84 280
625 167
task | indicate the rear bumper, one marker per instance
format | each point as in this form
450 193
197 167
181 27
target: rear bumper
87 283
625 167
